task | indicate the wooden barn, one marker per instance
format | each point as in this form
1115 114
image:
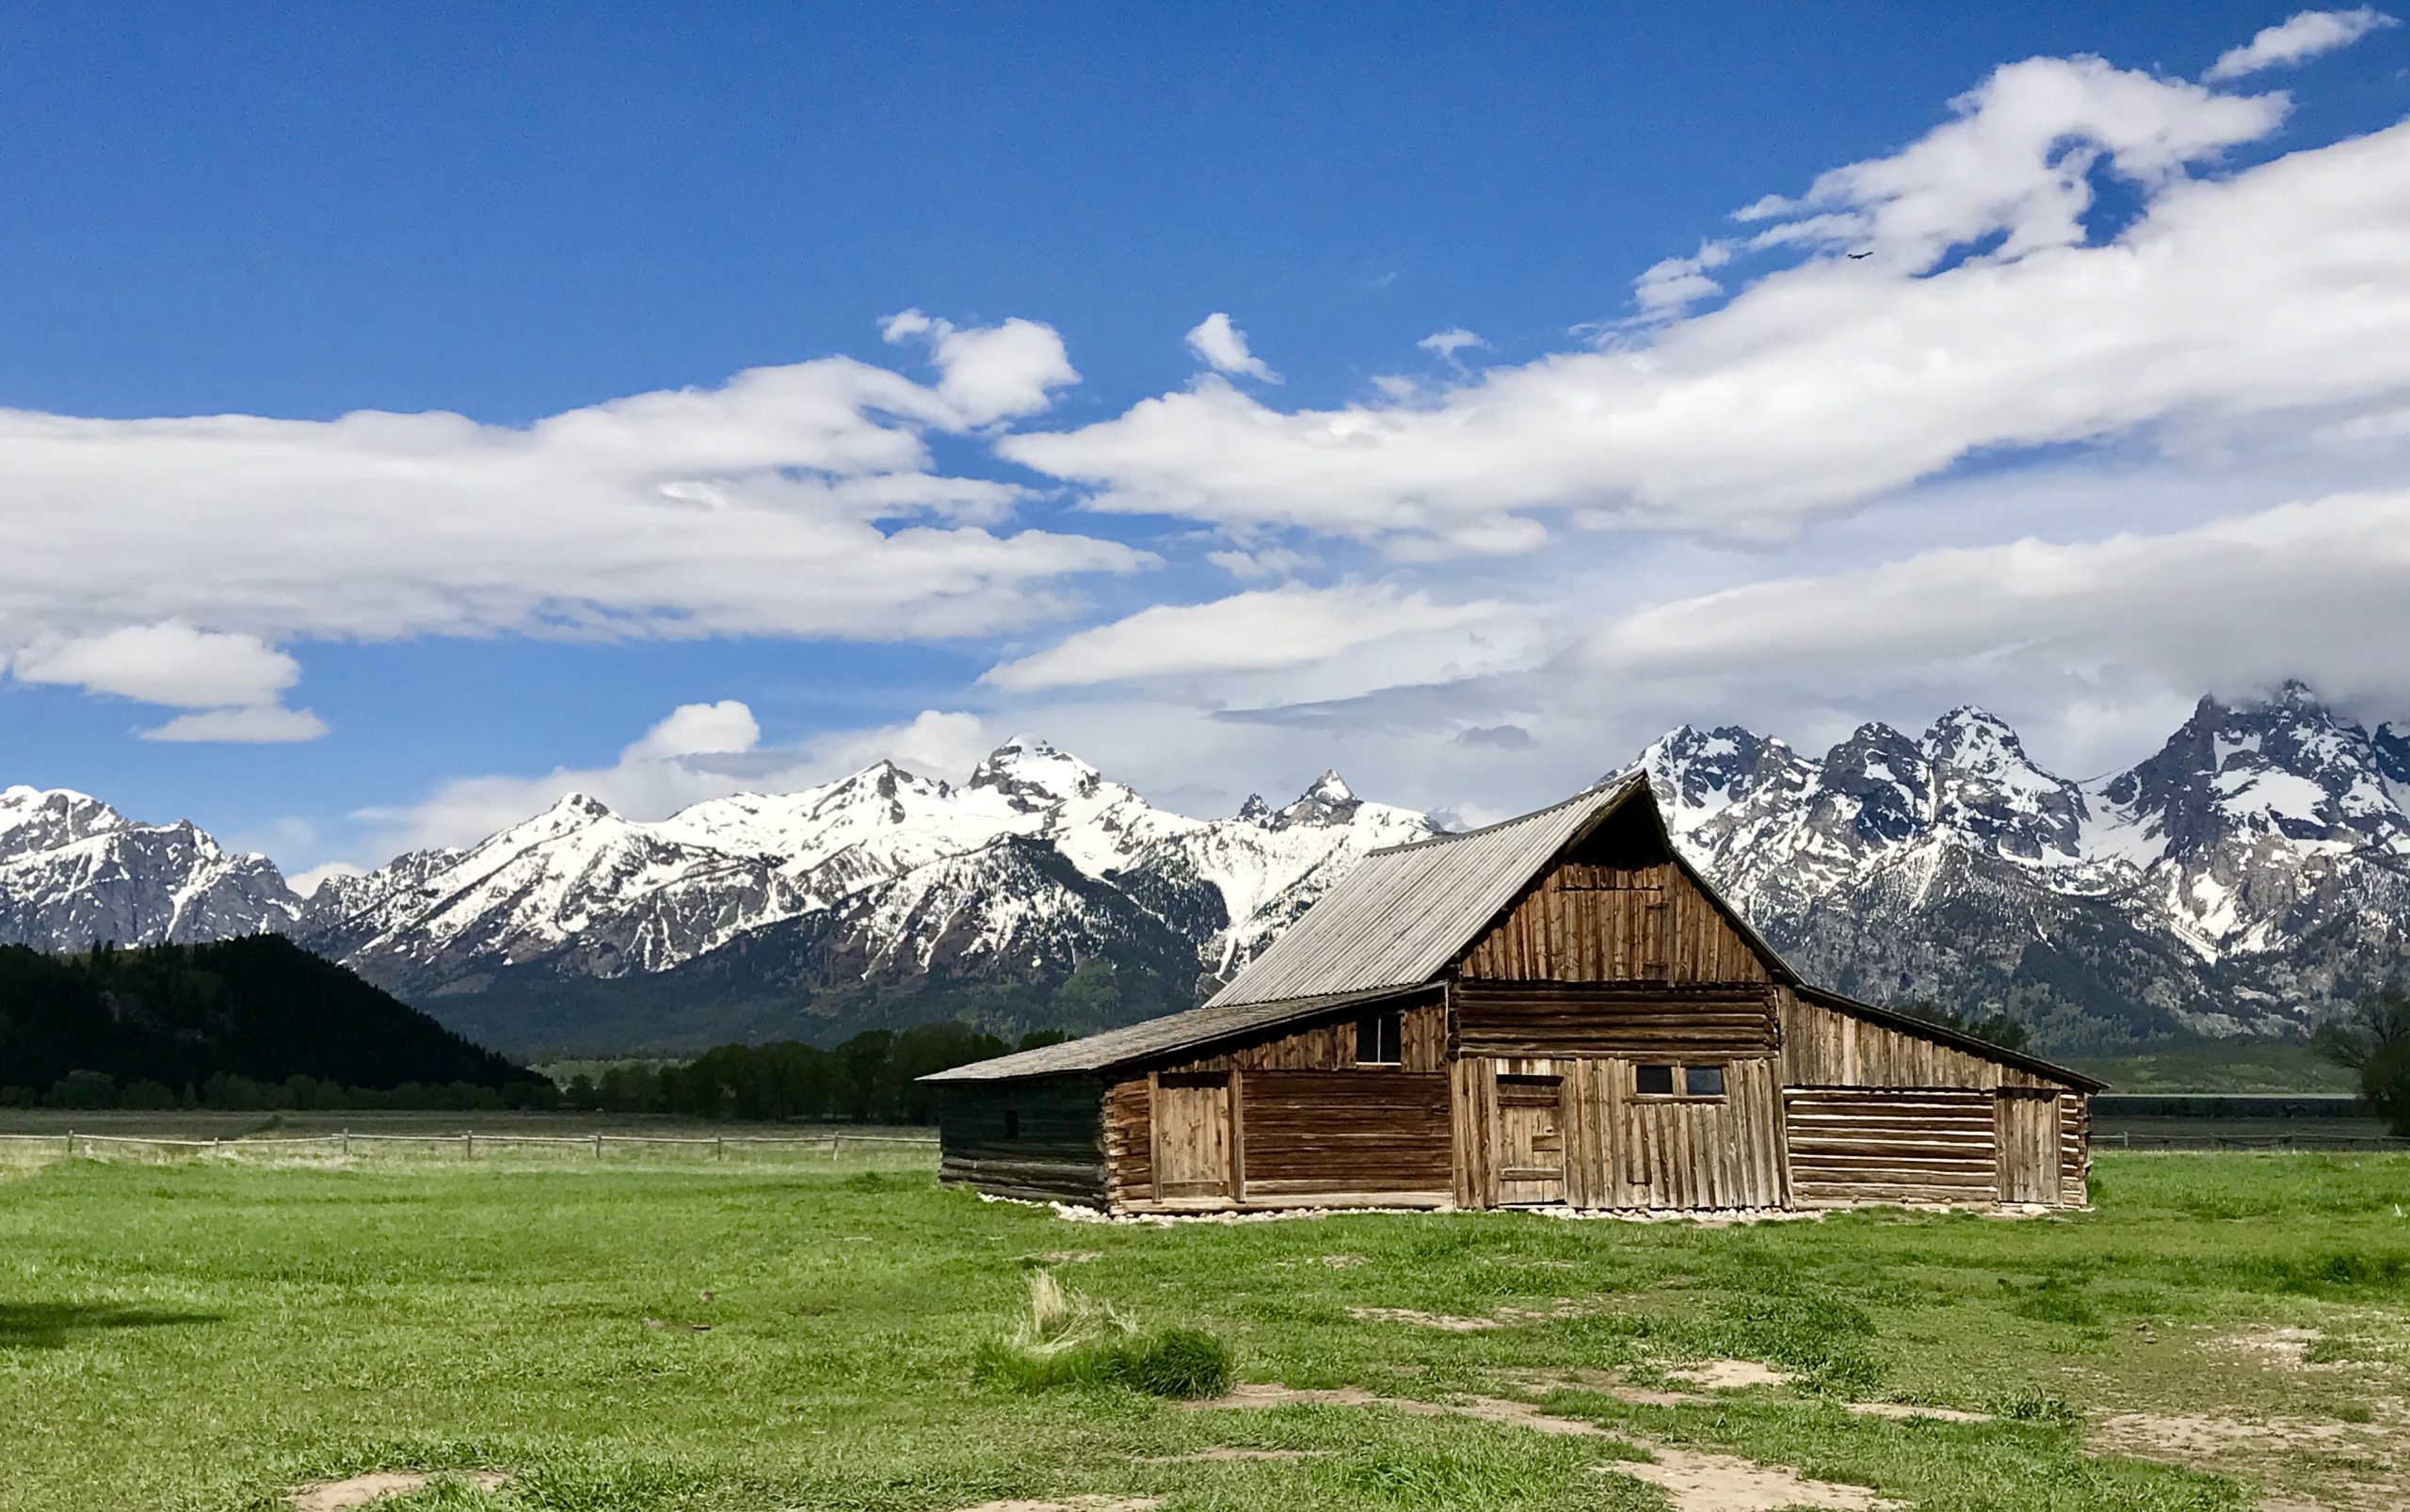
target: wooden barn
1557 1010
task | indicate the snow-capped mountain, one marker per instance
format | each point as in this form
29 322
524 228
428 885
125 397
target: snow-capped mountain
74 872
2248 875
1034 865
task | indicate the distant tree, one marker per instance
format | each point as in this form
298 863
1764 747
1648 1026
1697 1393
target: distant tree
2373 1038
84 1089
1040 1039
147 1095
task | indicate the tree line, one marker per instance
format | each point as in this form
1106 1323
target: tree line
871 1078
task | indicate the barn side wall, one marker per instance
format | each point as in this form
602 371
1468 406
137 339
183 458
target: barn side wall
1877 1113
1041 1139
1304 1123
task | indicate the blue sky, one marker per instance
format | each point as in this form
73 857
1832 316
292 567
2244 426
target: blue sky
1207 580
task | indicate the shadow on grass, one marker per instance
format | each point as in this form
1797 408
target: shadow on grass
50 1324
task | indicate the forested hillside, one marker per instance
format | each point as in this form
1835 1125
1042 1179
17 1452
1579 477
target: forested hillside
259 1006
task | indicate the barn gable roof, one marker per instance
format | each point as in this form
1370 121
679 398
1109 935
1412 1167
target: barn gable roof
1404 912
1174 1032
1402 916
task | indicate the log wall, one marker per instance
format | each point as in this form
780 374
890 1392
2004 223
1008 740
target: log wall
1129 1142
1656 1021
1329 1045
1052 1147
1849 1145
2075 1149
1320 1134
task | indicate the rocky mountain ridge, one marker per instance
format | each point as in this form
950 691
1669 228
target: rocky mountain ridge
2251 872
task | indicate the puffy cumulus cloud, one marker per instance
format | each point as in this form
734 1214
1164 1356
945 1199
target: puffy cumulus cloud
2303 36
698 751
1665 290
260 725
1223 347
1260 631
169 664
233 680
1987 320
989 373
789 501
699 730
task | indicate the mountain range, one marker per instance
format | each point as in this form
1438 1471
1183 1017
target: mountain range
2245 879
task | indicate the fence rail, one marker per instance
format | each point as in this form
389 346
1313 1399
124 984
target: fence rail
2300 1143
72 1143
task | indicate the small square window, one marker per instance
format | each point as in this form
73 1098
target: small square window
1703 1080
1012 1124
1653 1081
1379 1038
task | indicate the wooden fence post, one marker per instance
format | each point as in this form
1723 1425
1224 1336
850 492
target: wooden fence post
597 1144
346 1143
468 1143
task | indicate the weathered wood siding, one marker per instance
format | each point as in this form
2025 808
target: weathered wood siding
1884 1145
1356 1133
1652 1020
1043 1140
1587 921
1616 1148
1194 1137
1330 1046
1829 1047
2030 1160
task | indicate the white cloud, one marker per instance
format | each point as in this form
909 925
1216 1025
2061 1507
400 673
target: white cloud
170 664
257 724
2304 36
1448 342
698 730
989 373
308 882
789 501
1263 630
1666 289
699 750
1830 381
2232 605
1223 345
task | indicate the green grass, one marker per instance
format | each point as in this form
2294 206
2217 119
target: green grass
198 1337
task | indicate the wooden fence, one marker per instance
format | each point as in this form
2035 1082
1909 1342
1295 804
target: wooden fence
468 1143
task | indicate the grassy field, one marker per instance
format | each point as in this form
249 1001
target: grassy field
2241 1064
208 1334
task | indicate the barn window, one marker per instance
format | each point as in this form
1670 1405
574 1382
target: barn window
1380 1038
1678 1080
1012 1124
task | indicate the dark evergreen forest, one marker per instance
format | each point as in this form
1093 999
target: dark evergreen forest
258 1008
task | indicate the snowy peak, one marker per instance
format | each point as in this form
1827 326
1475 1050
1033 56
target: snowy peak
1699 774
1990 792
1029 773
35 819
1883 782
1328 802
2285 769
74 872
1254 810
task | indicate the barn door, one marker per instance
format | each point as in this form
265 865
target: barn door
1531 1140
1192 1127
2028 1146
